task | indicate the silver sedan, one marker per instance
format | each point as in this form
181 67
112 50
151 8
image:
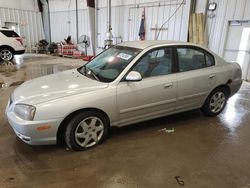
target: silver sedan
128 83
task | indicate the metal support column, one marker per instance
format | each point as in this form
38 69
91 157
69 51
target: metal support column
96 27
108 42
77 21
49 22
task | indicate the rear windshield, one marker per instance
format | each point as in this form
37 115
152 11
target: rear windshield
9 33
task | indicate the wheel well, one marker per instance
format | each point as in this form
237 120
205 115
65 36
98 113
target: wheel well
226 88
9 47
64 123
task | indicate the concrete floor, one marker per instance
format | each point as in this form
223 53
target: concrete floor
202 151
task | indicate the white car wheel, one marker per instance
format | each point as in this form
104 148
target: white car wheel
215 102
6 54
89 132
86 130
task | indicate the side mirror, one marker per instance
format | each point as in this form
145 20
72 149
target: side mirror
133 76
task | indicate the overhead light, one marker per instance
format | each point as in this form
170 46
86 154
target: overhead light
212 6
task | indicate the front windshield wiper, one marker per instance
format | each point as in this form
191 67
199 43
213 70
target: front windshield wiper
89 71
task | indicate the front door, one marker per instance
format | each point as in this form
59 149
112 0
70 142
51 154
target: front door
154 95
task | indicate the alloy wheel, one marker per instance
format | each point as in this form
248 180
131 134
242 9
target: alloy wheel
217 102
6 55
89 131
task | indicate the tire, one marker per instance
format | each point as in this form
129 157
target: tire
6 54
86 130
215 102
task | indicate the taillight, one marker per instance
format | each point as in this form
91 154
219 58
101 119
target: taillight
20 40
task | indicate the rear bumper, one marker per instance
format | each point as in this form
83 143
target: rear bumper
235 86
19 52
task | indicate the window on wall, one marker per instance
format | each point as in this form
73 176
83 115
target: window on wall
155 63
192 59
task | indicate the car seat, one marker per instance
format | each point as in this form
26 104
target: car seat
198 61
163 68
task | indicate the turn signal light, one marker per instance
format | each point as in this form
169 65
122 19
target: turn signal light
42 128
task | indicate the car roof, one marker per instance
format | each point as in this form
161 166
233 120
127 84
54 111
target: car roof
151 43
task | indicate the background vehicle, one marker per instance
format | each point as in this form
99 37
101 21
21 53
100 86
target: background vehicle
126 84
10 44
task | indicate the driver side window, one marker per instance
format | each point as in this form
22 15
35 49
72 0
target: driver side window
155 63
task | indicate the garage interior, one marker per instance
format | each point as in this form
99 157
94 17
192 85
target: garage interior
186 149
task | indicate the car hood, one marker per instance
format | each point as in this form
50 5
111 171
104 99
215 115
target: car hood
55 86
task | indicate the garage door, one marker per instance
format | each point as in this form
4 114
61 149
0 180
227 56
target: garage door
238 46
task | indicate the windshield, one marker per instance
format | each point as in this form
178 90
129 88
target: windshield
107 66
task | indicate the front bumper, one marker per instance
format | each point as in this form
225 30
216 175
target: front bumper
29 132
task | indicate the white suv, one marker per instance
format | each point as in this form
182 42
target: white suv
10 44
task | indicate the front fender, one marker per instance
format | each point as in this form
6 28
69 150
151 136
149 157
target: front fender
104 100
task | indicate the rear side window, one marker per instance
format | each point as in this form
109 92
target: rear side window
209 60
192 59
9 33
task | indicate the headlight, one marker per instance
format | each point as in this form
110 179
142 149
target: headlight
24 111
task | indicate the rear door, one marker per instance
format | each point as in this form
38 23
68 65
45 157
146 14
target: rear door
196 76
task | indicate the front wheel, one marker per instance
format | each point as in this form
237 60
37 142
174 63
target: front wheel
6 54
216 102
86 130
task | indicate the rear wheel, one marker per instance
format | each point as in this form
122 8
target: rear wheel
6 54
216 102
86 130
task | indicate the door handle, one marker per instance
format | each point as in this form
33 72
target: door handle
168 85
211 76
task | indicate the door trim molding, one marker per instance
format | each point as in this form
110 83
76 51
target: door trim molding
147 106
191 96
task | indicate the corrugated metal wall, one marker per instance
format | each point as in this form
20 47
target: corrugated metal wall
218 23
125 21
30 24
63 23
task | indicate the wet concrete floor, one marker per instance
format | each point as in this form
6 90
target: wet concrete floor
201 152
